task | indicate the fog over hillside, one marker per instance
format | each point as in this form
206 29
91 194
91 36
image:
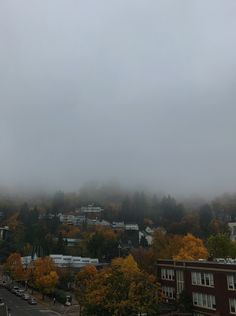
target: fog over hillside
141 93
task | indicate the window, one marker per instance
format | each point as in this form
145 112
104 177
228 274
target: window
232 305
168 291
180 281
202 278
231 281
204 300
167 274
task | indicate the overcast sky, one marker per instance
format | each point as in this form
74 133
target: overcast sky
138 92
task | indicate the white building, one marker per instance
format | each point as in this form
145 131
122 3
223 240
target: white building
131 227
71 219
232 228
71 261
64 261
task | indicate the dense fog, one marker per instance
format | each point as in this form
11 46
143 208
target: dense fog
141 93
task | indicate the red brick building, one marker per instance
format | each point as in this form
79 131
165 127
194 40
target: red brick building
211 285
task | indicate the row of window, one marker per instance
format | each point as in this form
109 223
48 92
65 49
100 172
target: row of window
204 300
168 291
208 301
167 274
198 278
201 278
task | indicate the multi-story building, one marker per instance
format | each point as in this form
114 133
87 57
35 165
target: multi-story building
211 285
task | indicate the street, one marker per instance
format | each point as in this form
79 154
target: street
20 307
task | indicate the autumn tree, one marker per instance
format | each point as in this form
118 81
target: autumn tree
120 289
144 258
192 249
44 275
14 267
84 279
166 246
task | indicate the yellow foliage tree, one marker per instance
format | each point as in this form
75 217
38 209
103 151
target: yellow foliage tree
120 289
128 266
192 249
44 275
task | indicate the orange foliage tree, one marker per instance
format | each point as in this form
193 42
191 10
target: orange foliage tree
44 275
14 267
192 249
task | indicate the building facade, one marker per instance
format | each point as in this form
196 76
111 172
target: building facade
211 285
64 261
92 212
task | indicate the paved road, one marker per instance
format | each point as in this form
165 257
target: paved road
20 307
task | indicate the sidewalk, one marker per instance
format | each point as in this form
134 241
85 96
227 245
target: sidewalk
59 308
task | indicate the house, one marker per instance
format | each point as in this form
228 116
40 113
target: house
68 219
92 212
130 236
143 234
72 219
3 232
232 229
210 285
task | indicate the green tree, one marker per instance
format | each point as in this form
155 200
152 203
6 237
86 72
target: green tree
61 244
220 246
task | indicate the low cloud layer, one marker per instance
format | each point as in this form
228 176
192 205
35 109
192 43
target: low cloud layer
139 92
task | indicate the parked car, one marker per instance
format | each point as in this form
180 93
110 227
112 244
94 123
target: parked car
25 296
1 302
20 292
32 301
15 289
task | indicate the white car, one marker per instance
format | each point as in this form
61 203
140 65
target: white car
26 296
67 303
